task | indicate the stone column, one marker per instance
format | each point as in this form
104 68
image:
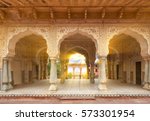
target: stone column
53 75
39 71
146 74
102 75
112 69
9 74
5 75
80 73
47 64
92 73
148 80
62 72
73 72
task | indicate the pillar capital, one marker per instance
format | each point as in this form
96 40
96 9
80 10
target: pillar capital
145 58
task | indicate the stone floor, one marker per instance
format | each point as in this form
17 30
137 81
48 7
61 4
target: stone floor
78 88
58 100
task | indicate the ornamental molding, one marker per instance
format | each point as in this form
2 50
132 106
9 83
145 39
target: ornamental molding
65 30
24 31
54 34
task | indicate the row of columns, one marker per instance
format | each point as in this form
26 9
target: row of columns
7 78
6 75
102 74
147 74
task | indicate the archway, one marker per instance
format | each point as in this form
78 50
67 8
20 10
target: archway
78 43
125 62
27 62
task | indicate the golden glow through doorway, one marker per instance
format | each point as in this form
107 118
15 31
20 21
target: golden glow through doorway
77 68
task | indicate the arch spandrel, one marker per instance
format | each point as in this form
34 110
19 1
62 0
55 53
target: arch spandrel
64 34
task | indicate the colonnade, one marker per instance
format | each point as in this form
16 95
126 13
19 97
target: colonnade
7 77
102 75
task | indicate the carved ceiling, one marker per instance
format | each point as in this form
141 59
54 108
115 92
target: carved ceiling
61 11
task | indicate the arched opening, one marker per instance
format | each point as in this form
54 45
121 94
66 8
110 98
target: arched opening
29 64
81 47
125 60
77 68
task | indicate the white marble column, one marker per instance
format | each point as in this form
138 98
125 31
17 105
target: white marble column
53 75
92 73
9 74
146 70
112 70
5 75
47 68
39 70
102 73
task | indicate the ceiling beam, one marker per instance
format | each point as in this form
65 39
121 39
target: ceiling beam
121 13
34 13
69 13
19 14
138 13
85 14
51 14
5 3
20 2
103 12
2 15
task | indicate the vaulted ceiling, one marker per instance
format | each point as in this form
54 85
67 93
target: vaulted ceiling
124 44
31 46
64 11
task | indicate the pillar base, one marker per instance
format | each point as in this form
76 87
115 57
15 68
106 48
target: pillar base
5 87
53 87
62 81
10 86
102 86
92 81
146 86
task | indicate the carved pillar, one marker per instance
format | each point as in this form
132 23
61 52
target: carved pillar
87 64
80 76
39 70
112 69
62 72
146 74
102 75
47 65
5 75
9 74
53 75
73 72
92 73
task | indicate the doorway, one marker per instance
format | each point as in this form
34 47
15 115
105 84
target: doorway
117 71
138 73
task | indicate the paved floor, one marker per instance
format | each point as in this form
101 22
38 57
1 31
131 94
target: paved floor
78 87
58 100
76 92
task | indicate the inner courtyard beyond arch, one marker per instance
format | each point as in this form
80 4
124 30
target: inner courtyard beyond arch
75 49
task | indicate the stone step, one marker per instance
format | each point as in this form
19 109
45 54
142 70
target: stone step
77 98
